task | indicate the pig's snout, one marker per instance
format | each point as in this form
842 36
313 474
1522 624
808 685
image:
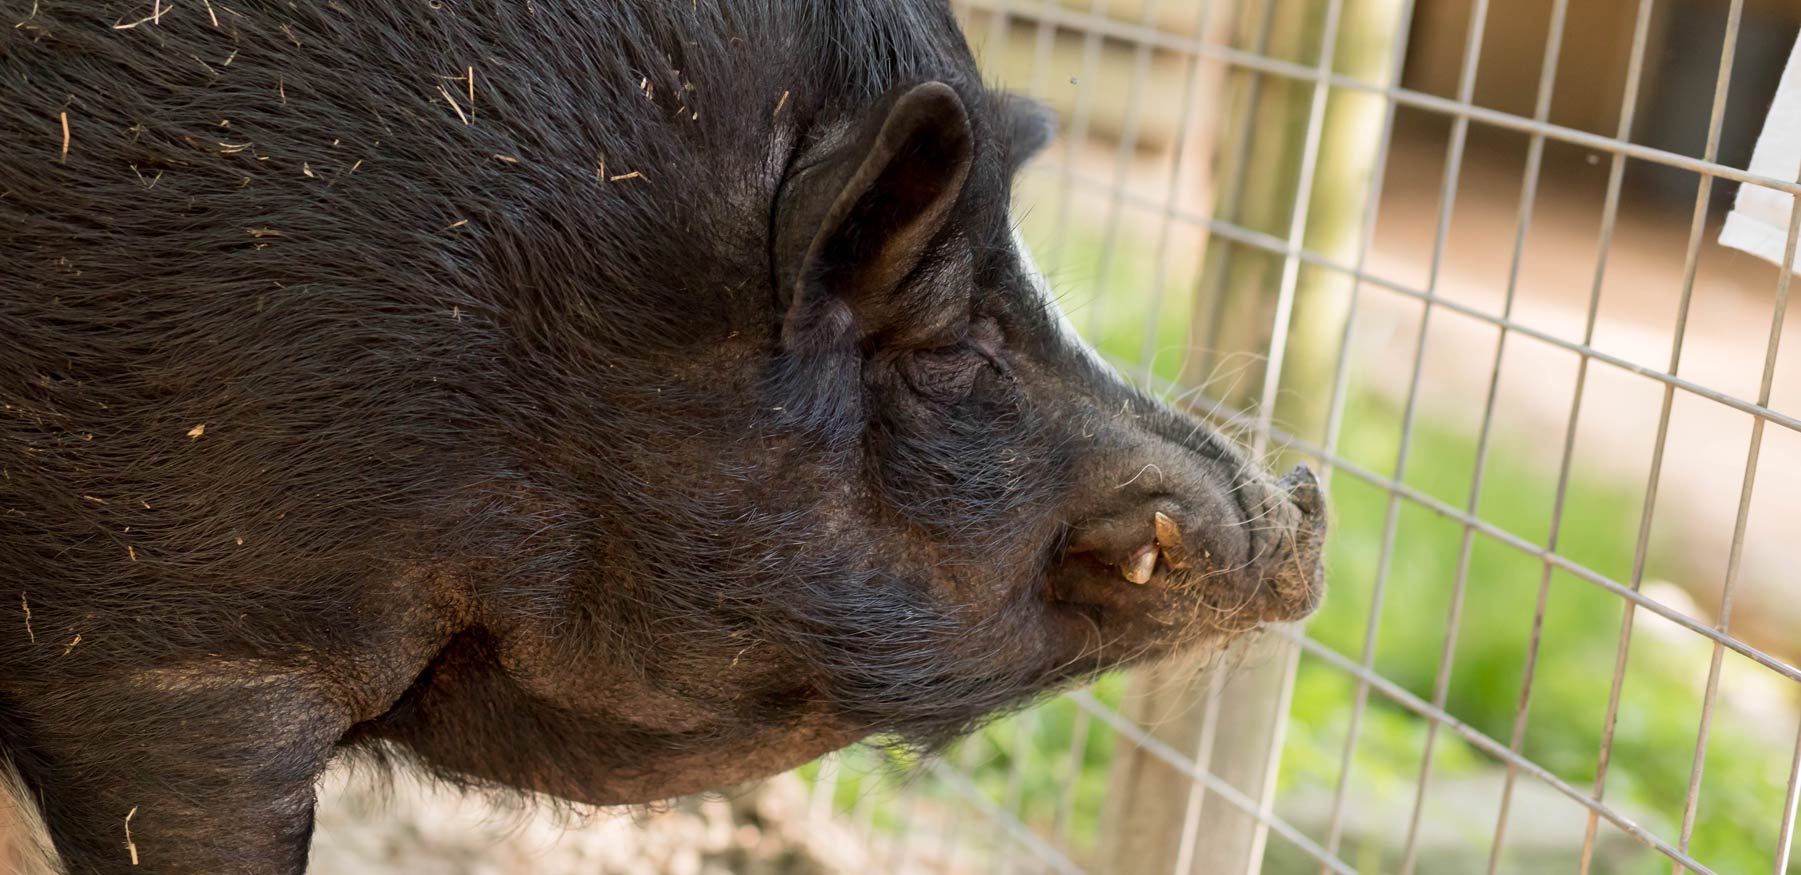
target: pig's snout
1290 562
1252 551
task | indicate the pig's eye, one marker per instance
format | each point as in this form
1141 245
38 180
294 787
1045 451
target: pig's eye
948 374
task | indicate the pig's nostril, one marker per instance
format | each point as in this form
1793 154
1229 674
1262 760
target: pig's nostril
1302 486
1299 478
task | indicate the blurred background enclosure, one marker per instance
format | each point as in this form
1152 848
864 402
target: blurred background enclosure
1460 255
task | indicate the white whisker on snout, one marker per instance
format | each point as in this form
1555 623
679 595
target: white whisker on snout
1140 474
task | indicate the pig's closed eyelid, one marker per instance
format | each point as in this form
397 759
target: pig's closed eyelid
942 374
943 340
980 337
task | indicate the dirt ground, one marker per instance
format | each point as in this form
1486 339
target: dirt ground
370 824
369 828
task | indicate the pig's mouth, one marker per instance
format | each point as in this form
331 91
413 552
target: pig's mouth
1151 586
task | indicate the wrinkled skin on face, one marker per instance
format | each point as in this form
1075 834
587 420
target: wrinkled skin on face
669 405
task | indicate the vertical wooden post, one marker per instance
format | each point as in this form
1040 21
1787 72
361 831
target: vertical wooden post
1233 721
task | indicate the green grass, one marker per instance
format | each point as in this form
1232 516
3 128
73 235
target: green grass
1025 761
1659 711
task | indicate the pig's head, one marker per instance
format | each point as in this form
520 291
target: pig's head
973 460
942 503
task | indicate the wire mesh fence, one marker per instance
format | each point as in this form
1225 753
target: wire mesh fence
1460 256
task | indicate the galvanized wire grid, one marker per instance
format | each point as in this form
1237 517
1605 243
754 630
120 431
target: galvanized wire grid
959 827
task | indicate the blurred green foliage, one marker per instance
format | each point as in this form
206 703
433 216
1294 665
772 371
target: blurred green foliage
1660 707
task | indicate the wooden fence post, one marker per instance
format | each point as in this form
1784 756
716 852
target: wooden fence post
1232 721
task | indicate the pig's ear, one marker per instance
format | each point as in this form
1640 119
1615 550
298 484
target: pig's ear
1028 127
854 225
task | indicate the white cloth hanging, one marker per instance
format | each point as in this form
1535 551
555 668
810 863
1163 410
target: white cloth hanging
1759 220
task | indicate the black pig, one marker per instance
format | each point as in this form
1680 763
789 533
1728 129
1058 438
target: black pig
612 399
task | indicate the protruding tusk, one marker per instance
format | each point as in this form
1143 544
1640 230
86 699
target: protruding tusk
1140 569
1169 537
1168 533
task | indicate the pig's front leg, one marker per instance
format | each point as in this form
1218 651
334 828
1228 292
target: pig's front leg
203 769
